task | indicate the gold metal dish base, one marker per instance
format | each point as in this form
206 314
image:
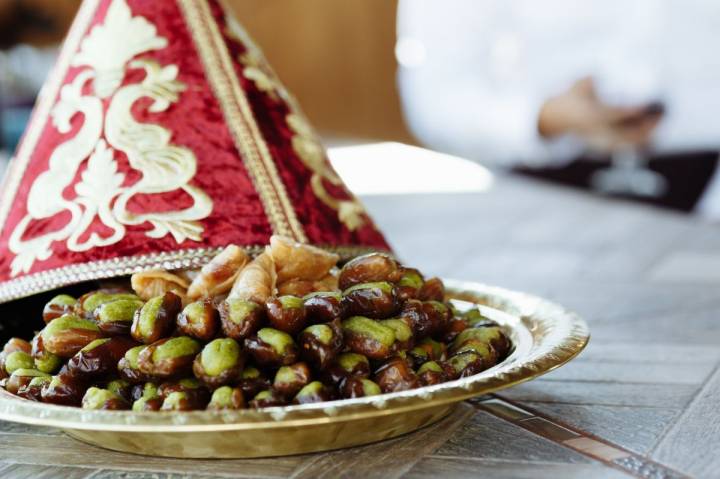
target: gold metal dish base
277 441
544 335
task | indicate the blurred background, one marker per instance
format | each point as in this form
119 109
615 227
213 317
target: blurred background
618 98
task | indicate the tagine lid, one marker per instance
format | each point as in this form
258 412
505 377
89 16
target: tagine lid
161 135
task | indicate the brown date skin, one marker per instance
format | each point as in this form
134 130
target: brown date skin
323 309
317 353
242 330
52 311
368 268
301 377
174 367
419 360
198 397
115 404
251 386
164 321
274 400
136 391
13 345
231 375
100 360
16 344
153 404
352 387
371 302
206 328
237 400
265 355
325 394
79 306
126 393
413 314
367 346
38 348
185 404
429 378
396 375
15 383
470 369
336 374
68 392
31 393
501 347
408 292
118 328
432 290
439 316
68 342
129 374
289 320
455 326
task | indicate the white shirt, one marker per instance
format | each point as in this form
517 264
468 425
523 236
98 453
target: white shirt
474 73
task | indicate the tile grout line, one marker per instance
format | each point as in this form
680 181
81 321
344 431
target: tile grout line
573 438
685 411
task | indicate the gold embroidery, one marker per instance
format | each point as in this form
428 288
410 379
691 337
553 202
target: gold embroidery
164 167
305 142
311 152
111 45
46 99
240 120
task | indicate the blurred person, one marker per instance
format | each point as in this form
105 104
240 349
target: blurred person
618 96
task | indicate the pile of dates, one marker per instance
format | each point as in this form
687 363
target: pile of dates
287 327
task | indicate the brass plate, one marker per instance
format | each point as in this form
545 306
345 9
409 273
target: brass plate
545 336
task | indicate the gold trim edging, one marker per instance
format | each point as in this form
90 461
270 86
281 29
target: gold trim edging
41 113
103 269
239 119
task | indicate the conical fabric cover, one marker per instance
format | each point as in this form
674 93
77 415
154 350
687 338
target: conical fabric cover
162 135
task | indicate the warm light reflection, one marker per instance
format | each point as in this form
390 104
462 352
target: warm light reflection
394 168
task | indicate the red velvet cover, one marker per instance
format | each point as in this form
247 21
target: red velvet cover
163 129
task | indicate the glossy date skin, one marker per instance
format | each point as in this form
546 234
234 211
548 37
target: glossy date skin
156 318
396 375
58 306
289 380
252 381
324 307
368 337
369 268
272 348
64 390
314 392
372 300
240 318
168 358
347 365
99 358
68 334
321 343
219 363
286 313
199 320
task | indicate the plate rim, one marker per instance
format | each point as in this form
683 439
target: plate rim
558 334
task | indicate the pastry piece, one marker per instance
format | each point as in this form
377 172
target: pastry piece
218 276
256 282
157 282
299 261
